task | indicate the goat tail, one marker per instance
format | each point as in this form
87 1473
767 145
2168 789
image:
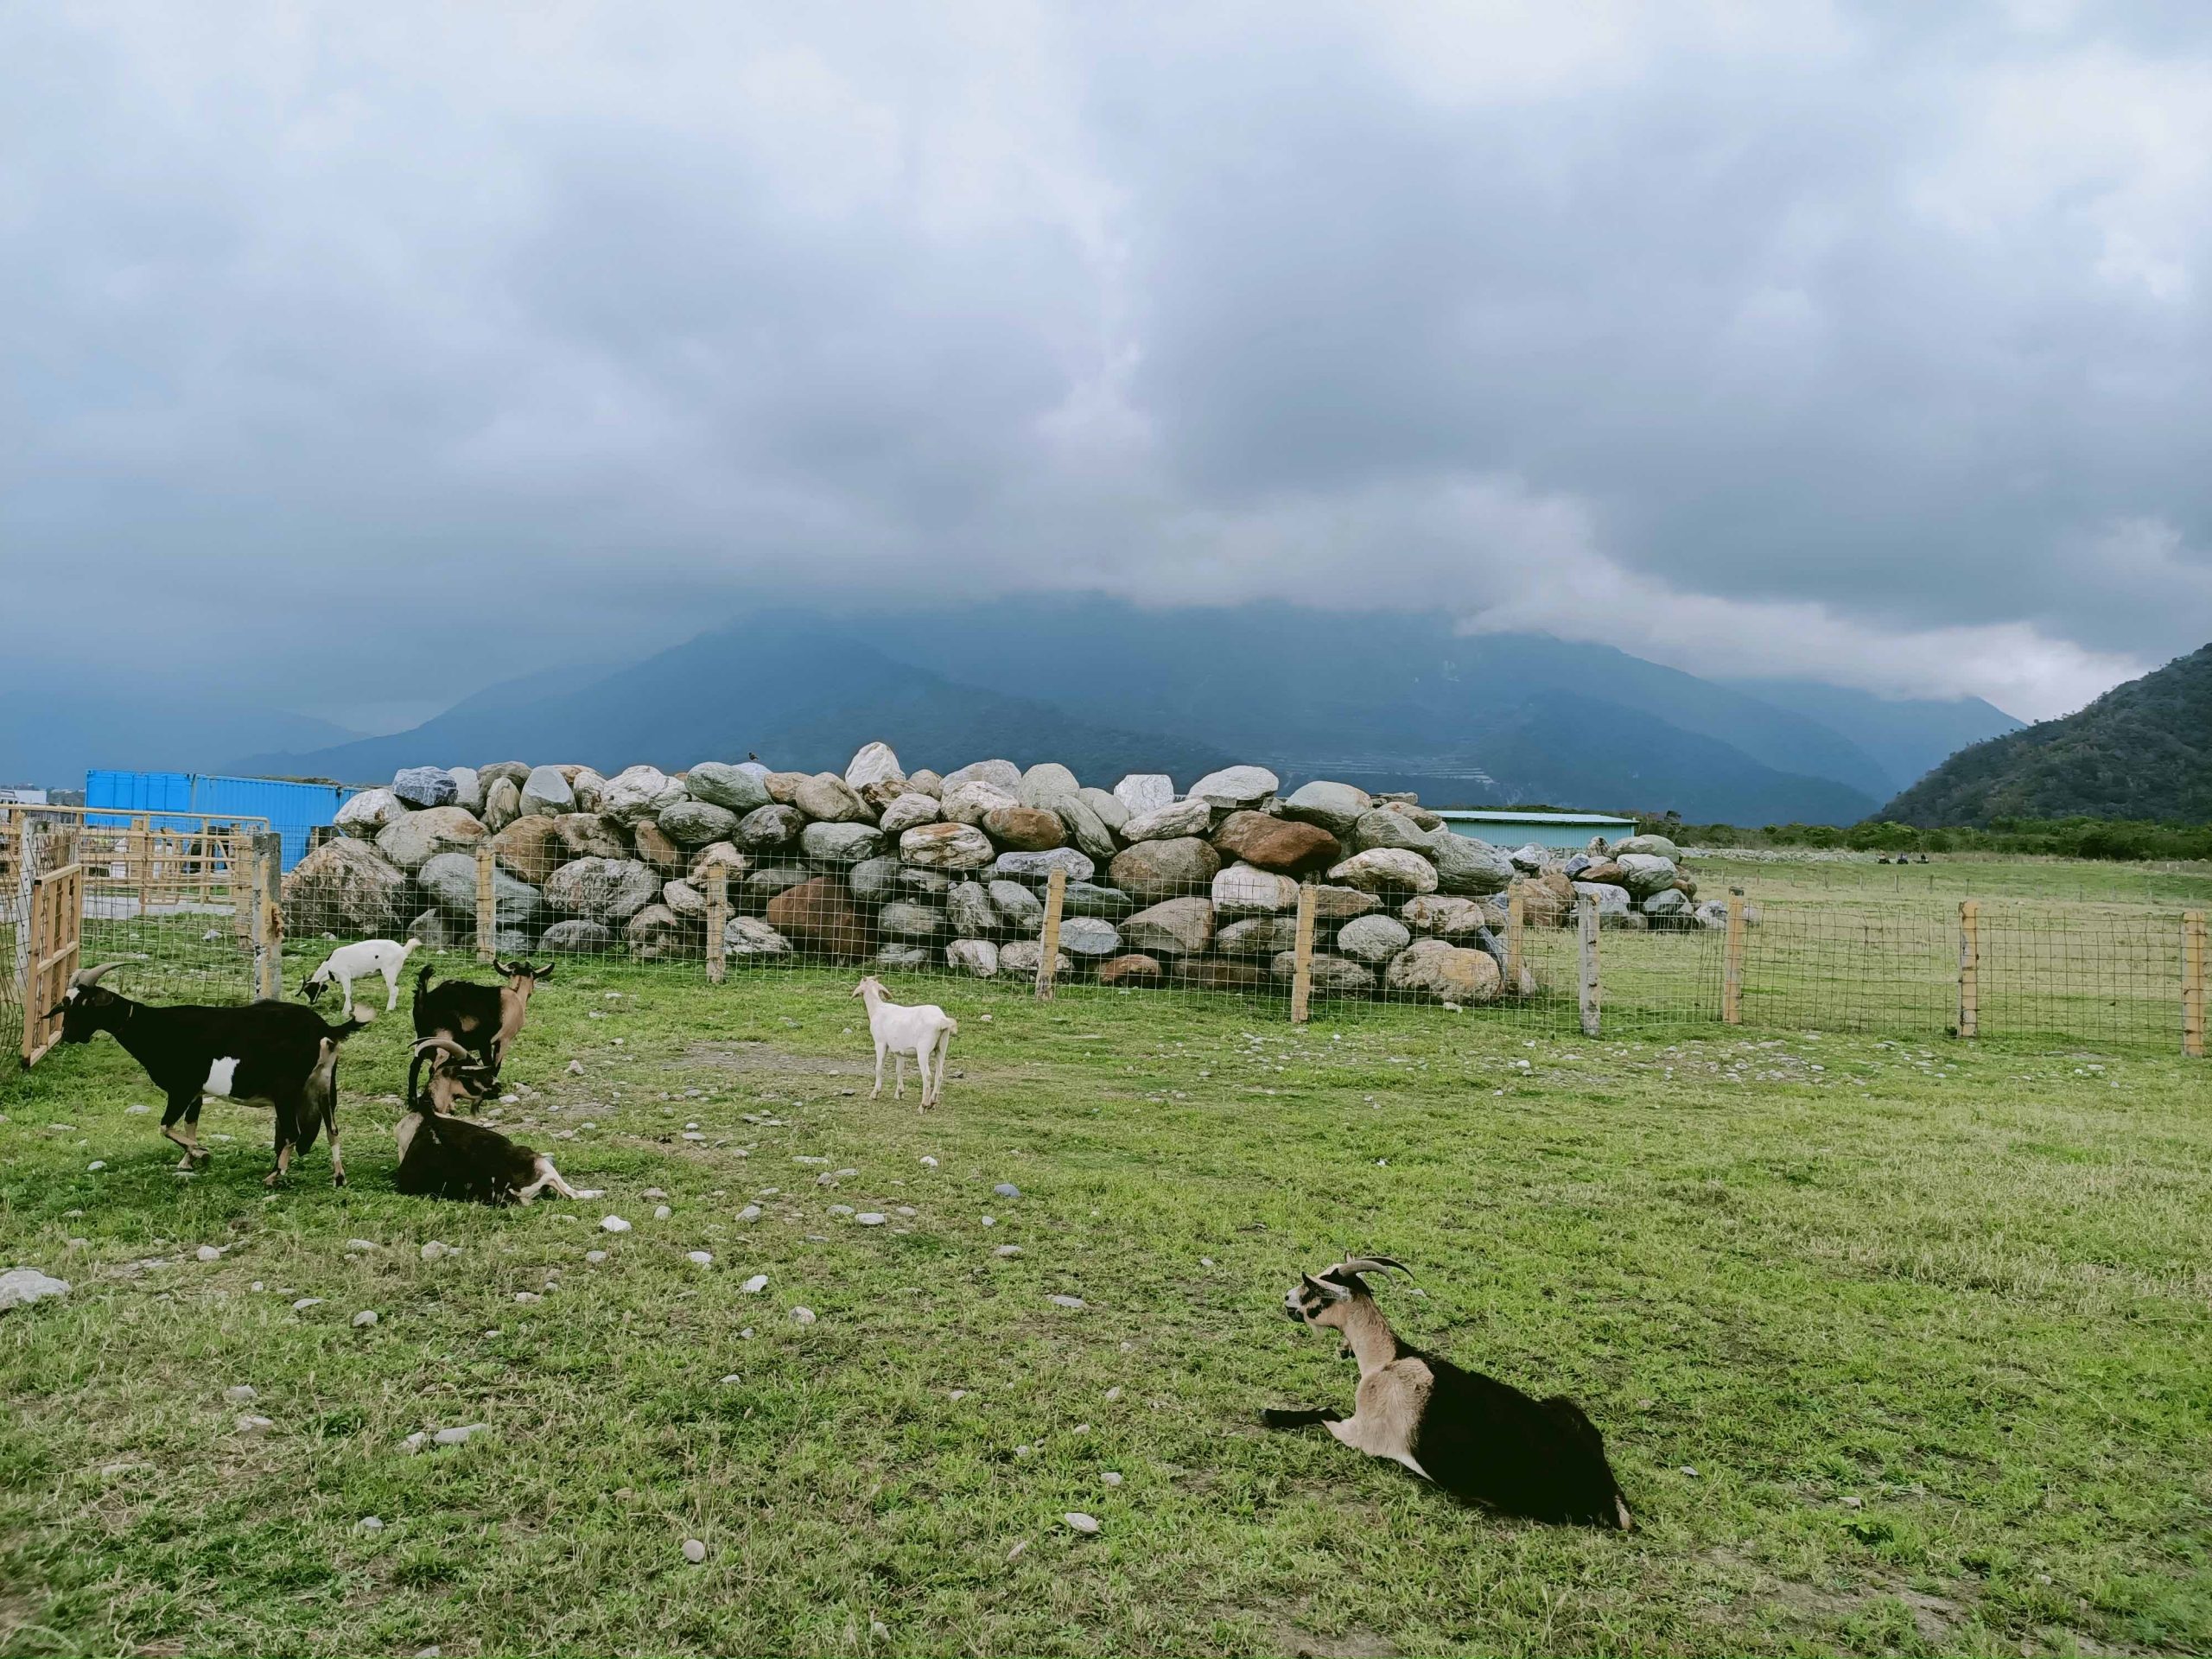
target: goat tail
951 1026
361 1015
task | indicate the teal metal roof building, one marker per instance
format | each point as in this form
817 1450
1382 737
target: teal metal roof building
1545 828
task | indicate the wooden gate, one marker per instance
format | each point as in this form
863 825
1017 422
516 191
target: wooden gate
53 924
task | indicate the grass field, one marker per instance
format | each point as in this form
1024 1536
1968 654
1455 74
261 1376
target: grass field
1929 1322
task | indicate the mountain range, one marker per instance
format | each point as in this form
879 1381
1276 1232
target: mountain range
2142 751
1385 699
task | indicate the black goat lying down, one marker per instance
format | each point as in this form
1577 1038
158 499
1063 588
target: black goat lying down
441 1156
273 1054
482 1019
1482 1440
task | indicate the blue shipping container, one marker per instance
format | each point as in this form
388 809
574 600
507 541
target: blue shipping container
292 810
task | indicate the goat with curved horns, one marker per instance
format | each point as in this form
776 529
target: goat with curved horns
443 1156
1482 1440
273 1054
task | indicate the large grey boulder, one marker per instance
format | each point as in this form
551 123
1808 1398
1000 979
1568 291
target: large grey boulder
1641 873
1180 927
902 920
1669 902
904 956
514 771
367 813
576 938
1087 829
732 788
1373 939
1152 870
1530 858
502 802
1088 939
1449 973
923 884
694 823
925 782
449 880
348 887
1234 787
1386 870
1337 903
716 855
424 786
1018 909
1108 807
1257 936
968 908
973 800
1333 975
686 900
1335 807
1241 890
1047 785
840 844
1001 775
906 810
1384 826
587 786
978 958
1039 866
1444 917
658 934
584 835
1088 898
947 846
1613 902
826 797
1145 792
1646 846
1465 865
413 841
765 829
1176 819
546 791
602 889
747 938
874 881
439 930
637 793
21 1286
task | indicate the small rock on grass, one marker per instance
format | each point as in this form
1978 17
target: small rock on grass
751 1212
250 1424
461 1435
1008 1249
1007 1190
661 1212
802 1316
652 1192
755 1285
870 1218
694 1551
1082 1523
1111 1478
369 1523
700 1258
928 1162
363 1245
594 1256
365 1318
435 1249
305 1303
1069 1301
612 1224
241 1394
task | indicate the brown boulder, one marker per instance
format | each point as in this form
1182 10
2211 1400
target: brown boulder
531 849
1273 843
654 846
346 888
1218 974
819 916
1546 900
1025 829
1135 969
588 834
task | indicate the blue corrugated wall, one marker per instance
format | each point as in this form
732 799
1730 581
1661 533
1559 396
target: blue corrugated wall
292 810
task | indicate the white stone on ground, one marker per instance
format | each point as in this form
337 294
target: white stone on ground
416 1441
594 1256
1068 1301
755 1285
21 1286
700 1258
305 1303
1083 1523
250 1424
1114 1393
365 1318
802 1316
208 1253
368 1523
363 1245
461 1435
612 1224
751 1212
870 1218
1110 1479
661 1212
1008 1249
694 1551
241 1394
732 1377
928 1162
433 1250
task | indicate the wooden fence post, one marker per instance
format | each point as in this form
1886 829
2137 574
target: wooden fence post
1731 962
268 914
1301 978
1055 896
717 920
19 841
1516 924
487 907
141 838
2192 984
1586 949
1969 967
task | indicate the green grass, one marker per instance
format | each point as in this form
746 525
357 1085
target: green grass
1965 1286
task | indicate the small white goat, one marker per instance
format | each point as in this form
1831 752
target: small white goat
351 962
924 1032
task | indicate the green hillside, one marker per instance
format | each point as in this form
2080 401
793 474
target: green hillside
2143 751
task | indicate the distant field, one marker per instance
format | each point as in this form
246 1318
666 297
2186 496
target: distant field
1899 1347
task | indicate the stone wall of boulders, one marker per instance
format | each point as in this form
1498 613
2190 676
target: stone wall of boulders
920 870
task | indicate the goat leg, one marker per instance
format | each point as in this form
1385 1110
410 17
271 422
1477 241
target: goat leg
1276 1419
284 1163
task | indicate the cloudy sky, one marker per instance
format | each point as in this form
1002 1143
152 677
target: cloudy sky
363 355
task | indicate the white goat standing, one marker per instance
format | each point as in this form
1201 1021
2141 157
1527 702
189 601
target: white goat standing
924 1032
358 961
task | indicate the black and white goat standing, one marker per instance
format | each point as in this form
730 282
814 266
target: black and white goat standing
273 1054
1482 1440
483 1019
443 1156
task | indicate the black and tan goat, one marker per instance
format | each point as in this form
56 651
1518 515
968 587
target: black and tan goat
482 1019
443 1156
273 1054
1482 1440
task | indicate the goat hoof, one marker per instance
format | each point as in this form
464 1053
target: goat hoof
270 1180
338 1180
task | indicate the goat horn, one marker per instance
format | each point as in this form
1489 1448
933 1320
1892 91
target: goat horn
1375 1264
85 978
443 1045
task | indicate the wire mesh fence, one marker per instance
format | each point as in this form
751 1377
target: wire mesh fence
1178 897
